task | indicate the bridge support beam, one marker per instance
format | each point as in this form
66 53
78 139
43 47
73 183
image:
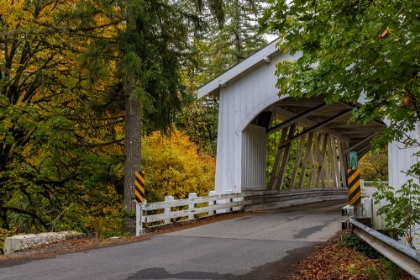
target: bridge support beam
317 160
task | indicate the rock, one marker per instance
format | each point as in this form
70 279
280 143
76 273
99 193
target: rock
20 242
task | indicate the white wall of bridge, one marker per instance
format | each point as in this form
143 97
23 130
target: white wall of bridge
240 101
400 159
254 158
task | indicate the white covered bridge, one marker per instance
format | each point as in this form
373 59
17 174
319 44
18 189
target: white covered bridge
250 109
308 161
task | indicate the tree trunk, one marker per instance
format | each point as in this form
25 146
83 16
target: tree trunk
132 138
132 155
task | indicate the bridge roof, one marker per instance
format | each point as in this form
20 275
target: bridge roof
309 113
259 57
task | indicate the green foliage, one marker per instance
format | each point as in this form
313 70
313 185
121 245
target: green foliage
363 49
60 129
354 242
374 273
272 149
402 208
353 50
216 49
199 121
62 79
391 272
223 47
156 45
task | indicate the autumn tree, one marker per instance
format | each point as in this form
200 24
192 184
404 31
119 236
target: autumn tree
61 120
175 166
374 165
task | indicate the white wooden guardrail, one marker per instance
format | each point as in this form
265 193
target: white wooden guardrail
163 213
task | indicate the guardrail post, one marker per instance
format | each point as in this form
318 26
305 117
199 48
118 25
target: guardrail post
362 187
367 208
191 206
211 203
139 223
230 200
168 209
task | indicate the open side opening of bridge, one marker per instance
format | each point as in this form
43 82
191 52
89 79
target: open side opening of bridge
309 142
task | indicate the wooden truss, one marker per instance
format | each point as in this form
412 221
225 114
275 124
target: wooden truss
319 160
315 141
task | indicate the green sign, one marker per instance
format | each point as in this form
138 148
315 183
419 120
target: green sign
353 159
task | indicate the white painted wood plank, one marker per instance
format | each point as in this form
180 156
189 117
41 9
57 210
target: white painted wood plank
309 145
187 201
343 168
285 157
239 68
334 163
297 163
188 212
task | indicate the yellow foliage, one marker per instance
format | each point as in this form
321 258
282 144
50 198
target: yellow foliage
173 165
374 165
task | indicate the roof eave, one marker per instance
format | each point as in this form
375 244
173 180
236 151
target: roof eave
261 55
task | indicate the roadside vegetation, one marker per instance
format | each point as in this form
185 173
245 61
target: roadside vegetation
348 257
72 73
69 71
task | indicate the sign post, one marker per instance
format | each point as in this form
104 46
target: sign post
355 194
139 195
354 191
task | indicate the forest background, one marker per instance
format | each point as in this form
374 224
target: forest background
65 67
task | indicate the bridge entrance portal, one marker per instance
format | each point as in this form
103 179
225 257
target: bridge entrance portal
308 141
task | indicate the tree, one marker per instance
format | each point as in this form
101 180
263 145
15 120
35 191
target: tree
199 122
60 129
217 49
156 45
402 211
374 165
175 166
350 49
220 48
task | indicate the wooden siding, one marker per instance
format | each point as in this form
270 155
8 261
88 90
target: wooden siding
243 98
254 139
400 159
243 66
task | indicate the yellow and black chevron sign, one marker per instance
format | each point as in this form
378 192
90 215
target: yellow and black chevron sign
353 182
139 192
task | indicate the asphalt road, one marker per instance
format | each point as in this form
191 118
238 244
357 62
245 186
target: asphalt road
262 245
